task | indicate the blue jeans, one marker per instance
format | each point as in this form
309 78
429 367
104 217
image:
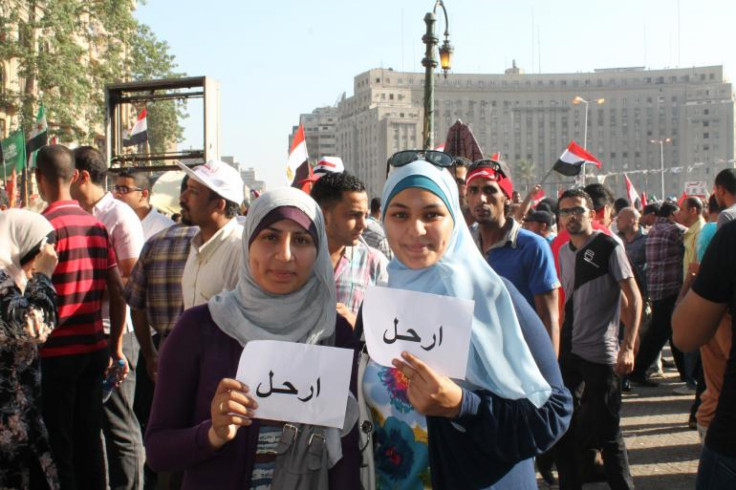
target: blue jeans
716 471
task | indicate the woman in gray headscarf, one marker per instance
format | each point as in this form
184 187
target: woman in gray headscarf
203 420
27 316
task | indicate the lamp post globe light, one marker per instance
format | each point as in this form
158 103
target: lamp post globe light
579 100
661 143
430 62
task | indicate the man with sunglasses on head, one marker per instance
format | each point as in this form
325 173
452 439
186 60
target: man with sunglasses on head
134 189
596 274
344 203
519 255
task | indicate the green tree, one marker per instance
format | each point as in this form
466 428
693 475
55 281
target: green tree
67 51
151 59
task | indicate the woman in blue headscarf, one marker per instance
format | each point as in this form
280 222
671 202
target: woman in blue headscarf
434 432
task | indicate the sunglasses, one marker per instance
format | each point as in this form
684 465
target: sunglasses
124 189
576 211
405 157
487 163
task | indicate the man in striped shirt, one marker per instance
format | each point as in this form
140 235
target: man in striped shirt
76 355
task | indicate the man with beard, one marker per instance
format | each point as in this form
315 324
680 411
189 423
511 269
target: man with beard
154 295
344 203
595 275
519 255
212 201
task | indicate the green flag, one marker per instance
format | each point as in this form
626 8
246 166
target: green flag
39 134
14 153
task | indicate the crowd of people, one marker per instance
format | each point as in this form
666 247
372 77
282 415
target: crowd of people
574 299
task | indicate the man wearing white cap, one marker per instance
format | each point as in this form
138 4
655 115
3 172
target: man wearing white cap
211 201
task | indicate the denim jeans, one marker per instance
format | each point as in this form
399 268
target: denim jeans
123 439
72 410
715 471
659 331
596 392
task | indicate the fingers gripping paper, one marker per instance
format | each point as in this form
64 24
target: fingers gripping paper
434 328
297 382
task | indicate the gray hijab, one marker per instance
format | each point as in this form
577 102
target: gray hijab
307 315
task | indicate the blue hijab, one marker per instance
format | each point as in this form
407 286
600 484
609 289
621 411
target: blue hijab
499 358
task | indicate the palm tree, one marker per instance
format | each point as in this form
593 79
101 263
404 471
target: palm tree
525 171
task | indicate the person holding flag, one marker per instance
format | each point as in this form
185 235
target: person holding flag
14 161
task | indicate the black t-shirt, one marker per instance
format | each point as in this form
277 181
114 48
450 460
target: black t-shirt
716 282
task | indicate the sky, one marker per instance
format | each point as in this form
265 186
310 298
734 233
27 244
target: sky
275 60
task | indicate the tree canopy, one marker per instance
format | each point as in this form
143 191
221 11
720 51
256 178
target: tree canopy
66 51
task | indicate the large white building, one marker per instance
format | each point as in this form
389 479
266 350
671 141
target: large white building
532 117
319 132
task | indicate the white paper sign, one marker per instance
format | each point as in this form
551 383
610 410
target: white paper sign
297 382
434 328
696 188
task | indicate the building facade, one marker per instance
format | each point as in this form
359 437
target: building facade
532 118
319 132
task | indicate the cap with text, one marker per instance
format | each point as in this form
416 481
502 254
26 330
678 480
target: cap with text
219 177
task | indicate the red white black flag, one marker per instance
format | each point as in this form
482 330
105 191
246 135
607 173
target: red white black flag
572 160
139 134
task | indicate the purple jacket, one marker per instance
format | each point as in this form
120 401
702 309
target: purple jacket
195 357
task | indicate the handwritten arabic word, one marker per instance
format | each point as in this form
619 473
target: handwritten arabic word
412 336
288 389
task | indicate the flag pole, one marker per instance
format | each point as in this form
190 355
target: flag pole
544 179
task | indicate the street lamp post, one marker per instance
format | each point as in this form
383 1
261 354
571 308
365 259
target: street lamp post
579 100
661 143
430 63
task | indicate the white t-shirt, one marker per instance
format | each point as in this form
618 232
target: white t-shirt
214 266
126 236
155 222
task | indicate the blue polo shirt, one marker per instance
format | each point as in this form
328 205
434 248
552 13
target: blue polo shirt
525 259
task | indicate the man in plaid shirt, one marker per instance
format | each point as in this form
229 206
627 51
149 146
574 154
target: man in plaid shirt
664 251
344 203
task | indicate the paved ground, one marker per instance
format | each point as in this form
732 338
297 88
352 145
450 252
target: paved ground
663 452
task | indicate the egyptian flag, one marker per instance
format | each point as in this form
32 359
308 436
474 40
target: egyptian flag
643 199
496 157
139 134
572 160
298 157
631 191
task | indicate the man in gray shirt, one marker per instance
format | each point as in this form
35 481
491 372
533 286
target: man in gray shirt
595 274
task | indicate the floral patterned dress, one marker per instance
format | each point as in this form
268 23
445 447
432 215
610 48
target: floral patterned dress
400 439
23 435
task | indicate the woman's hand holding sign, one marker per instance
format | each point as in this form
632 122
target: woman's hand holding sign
230 409
429 393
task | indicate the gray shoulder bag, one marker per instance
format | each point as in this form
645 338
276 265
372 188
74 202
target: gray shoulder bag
301 461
